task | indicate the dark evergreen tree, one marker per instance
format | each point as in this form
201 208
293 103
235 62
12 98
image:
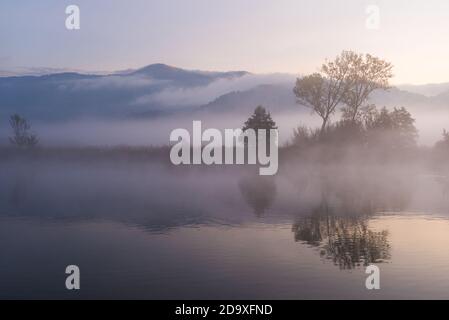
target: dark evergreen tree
260 119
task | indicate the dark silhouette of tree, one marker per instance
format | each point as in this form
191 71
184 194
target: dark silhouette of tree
22 137
311 91
440 154
384 131
443 144
393 129
304 136
260 119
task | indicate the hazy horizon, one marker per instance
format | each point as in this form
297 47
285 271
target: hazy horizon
17 71
256 36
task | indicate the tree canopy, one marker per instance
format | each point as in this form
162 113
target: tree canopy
260 119
348 80
22 137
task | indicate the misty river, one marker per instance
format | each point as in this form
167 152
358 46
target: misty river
151 230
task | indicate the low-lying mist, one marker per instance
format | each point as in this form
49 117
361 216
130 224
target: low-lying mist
156 131
148 132
157 195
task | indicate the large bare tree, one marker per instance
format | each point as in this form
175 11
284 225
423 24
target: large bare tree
366 74
324 91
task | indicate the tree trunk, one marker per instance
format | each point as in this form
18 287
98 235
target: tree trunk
323 126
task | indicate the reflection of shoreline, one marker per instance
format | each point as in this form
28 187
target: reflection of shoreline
346 240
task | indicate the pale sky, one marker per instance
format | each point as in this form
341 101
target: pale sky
261 36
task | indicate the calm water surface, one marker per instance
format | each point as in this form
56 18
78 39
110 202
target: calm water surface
148 232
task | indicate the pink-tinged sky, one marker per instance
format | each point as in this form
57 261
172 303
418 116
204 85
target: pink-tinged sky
262 36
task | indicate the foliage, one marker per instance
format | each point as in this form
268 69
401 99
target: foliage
22 137
260 119
394 130
443 144
367 73
347 80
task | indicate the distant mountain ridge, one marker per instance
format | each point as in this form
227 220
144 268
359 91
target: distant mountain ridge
151 91
428 90
277 97
192 77
71 95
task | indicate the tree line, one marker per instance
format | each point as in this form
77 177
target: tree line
343 84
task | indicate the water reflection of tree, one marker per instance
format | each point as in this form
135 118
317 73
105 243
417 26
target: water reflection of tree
346 240
19 190
259 192
338 222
